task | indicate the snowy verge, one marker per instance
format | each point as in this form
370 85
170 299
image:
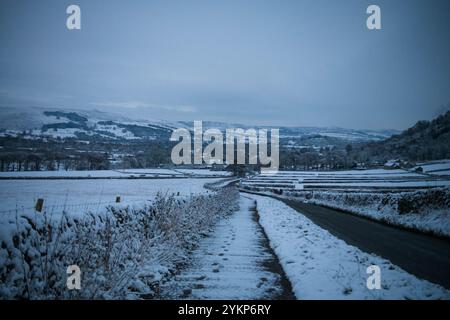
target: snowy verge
425 210
321 266
122 252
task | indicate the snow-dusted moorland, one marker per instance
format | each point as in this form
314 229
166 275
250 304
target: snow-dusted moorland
122 252
321 266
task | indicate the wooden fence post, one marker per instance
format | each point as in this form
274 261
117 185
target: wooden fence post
39 205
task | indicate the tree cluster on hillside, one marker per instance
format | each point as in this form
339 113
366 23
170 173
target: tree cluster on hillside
427 140
20 154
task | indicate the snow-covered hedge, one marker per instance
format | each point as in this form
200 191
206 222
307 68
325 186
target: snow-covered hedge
122 253
424 210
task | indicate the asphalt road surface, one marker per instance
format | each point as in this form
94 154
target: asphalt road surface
425 256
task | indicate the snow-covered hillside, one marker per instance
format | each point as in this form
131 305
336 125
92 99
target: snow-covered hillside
72 123
63 123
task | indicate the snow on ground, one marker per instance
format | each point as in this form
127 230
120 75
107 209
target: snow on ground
221 183
428 209
370 172
116 131
353 179
63 174
397 197
79 196
124 173
351 184
441 167
442 173
321 266
122 253
205 172
62 133
232 263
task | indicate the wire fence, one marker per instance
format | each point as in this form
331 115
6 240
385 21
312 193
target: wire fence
66 206
45 207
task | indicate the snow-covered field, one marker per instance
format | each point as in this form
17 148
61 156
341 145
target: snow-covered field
125 173
399 197
368 173
321 266
79 196
376 179
229 263
391 184
441 167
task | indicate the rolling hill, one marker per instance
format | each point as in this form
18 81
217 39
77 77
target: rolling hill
92 124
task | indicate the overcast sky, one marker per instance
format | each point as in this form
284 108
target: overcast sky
277 62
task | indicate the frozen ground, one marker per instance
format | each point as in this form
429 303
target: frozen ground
321 266
79 196
233 263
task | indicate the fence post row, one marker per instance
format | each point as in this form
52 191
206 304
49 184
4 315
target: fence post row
39 206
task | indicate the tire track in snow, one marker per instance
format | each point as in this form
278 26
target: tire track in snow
235 262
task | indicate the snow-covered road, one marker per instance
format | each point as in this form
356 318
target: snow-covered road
235 262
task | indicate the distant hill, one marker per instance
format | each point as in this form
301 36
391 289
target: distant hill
426 140
40 122
86 139
79 125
